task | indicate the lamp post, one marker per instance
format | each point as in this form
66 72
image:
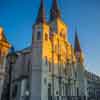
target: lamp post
11 60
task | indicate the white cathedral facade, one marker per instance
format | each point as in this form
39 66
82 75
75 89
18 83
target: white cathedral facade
51 68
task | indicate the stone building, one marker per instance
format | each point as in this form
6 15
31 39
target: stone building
93 85
51 68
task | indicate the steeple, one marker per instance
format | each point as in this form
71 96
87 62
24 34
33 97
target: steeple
55 12
41 14
78 50
77 47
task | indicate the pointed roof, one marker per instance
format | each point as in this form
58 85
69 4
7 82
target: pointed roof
55 12
77 47
41 14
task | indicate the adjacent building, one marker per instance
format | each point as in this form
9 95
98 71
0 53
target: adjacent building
4 49
93 85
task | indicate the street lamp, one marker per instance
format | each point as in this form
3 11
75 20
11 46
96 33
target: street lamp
11 57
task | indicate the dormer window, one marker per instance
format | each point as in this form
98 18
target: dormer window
38 35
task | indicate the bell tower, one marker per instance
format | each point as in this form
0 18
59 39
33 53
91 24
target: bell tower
40 35
56 22
78 50
80 69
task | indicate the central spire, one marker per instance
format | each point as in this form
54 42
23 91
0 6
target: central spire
55 12
77 43
41 14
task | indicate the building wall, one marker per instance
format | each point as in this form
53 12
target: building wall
93 85
4 47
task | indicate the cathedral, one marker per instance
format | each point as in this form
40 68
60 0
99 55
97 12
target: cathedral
50 69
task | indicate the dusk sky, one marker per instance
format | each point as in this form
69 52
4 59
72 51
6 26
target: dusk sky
17 17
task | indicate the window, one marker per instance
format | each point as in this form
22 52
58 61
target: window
14 91
28 67
57 95
76 75
45 80
49 92
27 84
46 37
49 66
64 36
46 60
56 48
38 35
61 34
77 91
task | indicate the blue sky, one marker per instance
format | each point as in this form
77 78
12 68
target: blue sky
17 17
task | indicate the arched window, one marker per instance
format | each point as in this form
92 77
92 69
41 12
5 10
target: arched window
46 37
38 35
14 91
64 36
56 48
46 60
49 66
49 92
76 75
61 34
77 91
